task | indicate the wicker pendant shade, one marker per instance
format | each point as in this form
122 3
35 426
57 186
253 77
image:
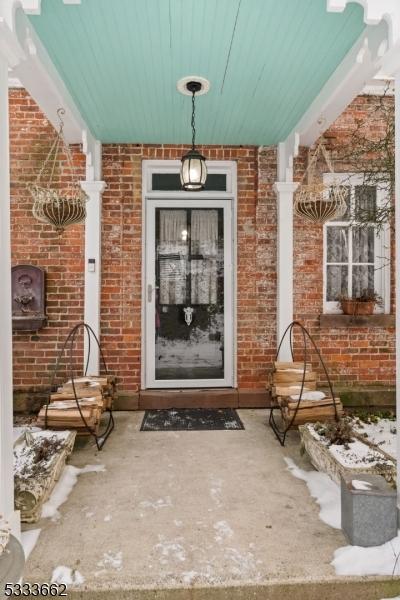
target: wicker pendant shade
59 207
315 201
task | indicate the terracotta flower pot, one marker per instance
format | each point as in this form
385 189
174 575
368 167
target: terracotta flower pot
354 307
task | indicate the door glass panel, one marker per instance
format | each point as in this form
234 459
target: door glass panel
189 303
171 182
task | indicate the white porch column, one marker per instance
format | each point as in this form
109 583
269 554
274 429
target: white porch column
6 383
284 193
94 190
397 269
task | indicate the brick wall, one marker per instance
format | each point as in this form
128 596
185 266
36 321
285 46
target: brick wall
353 355
34 243
122 247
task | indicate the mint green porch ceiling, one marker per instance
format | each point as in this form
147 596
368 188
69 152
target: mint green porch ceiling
266 61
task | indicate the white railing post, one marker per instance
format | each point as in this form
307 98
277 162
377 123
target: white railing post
397 269
284 192
94 190
6 383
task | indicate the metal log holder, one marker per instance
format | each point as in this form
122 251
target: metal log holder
100 439
306 338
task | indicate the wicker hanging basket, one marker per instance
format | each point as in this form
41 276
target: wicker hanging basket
59 207
315 201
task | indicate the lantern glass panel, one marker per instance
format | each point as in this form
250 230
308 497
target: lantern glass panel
193 172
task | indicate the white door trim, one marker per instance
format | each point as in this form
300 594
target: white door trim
192 199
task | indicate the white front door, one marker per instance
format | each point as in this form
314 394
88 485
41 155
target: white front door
188 293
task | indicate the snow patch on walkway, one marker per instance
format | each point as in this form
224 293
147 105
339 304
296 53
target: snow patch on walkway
28 540
67 576
156 504
223 531
111 559
170 549
63 488
376 560
325 492
216 491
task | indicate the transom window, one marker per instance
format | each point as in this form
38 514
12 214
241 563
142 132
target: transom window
356 259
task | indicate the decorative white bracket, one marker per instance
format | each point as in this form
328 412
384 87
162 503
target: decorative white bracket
287 152
374 12
92 149
359 66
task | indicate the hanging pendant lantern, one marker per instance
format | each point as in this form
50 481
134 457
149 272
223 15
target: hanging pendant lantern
193 167
59 207
315 201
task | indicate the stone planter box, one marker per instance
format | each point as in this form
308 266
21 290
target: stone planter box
30 493
327 459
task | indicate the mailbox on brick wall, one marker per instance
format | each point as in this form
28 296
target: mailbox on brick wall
28 298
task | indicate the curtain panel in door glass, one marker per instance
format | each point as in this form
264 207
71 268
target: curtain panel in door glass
189 308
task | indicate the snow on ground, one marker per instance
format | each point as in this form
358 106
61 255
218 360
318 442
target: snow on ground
355 454
28 540
111 559
24 458
5 531
156 504
63 488
325 491
361 485
382 433
223 531
376 560
19 431
67 576
170 549
348 560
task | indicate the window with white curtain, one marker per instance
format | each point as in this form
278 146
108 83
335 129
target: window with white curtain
356 259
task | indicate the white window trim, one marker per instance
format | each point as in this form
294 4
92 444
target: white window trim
382 247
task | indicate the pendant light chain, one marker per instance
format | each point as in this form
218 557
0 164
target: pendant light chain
193 121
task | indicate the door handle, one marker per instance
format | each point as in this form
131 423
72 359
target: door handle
150 289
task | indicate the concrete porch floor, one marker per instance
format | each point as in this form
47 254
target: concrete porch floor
208 514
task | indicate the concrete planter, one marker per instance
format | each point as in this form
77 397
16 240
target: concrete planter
31 492
324 460
369 511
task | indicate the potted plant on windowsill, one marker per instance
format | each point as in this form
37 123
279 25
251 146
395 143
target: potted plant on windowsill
364 304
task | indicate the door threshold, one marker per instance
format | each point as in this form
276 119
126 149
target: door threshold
189 398
194 389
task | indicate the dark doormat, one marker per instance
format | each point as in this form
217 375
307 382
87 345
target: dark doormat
191 419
